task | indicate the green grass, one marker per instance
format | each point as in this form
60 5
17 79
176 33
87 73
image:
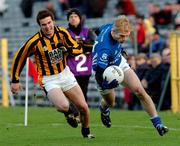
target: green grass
46 127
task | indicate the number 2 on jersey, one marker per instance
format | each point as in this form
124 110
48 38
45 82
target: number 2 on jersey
82 59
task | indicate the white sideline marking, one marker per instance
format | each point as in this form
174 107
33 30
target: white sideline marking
95 125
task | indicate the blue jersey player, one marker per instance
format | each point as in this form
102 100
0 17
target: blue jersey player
107 51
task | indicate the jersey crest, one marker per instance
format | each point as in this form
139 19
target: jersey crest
55 55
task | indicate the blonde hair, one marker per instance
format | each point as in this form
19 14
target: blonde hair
122 25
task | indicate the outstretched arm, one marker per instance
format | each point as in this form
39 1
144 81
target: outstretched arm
18 63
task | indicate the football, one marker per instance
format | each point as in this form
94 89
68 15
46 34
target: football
113 72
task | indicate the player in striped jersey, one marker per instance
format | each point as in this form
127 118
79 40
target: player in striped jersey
50 46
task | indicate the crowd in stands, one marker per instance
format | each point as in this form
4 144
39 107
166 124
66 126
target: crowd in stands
89 8
3 7
152 62
153 73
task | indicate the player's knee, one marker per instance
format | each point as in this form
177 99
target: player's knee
139 92
111 103
63 107
109 99
83 108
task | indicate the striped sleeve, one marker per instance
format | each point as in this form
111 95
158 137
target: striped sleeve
20 58
70 43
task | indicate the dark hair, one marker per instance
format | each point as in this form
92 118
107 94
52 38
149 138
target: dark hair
75 11
43 14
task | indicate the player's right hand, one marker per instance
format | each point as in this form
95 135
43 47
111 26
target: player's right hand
162 129
16 88
111 85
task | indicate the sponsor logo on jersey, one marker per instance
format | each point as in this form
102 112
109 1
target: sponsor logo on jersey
55 55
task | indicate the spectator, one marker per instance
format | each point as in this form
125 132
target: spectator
3 7
162 16
27 7
95 8
64 5
141 69
125 7
166 104
81 65
152 79
177 24
50 7
149 32
27 10
131 61
140 31
141 65
158 42
81 5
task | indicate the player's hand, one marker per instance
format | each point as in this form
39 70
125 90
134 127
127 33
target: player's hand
65 50
80 41
124 54
111 85
16 88
162 129
62 47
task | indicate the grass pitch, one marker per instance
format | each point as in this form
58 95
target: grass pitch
46 127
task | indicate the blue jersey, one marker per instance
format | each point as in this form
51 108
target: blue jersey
106 50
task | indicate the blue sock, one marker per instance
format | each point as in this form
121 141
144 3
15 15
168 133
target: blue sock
156 121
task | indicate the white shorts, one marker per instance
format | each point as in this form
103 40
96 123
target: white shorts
64 80
124 66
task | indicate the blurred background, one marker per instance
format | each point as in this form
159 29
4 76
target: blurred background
149 47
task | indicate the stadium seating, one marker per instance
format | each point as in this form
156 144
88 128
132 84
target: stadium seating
11 28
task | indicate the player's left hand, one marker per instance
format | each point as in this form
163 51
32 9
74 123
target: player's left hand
124 54
162 129
111 85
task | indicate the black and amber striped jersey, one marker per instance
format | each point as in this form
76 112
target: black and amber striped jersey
50 53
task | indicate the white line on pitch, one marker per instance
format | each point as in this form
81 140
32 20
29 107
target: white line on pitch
93 125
